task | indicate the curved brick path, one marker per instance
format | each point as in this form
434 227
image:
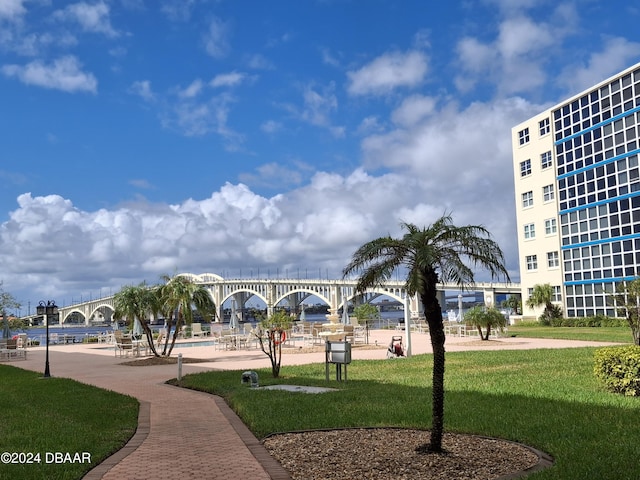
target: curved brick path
186 434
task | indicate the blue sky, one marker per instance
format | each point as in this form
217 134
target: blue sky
140 138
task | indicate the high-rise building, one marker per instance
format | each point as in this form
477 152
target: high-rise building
577 193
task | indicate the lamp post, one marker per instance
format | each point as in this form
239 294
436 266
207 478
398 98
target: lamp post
49 309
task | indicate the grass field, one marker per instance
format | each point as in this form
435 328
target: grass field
601 334
40 417
548 399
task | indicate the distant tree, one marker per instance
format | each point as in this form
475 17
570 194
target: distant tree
543 295
8 301
271 334
438 253
627 302
486 318
366 315
513 302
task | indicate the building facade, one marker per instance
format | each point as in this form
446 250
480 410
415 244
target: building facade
577 193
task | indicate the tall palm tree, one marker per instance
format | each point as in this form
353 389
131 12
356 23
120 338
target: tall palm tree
178 296
437 253
133 302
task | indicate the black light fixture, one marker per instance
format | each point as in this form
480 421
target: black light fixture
48 310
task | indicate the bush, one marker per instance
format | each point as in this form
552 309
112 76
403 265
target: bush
619 369
593 321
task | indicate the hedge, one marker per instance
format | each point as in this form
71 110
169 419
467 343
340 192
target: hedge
619 369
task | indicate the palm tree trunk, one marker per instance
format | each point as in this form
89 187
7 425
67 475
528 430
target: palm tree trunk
433 315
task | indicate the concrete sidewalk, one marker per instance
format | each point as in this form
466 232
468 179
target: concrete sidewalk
203 438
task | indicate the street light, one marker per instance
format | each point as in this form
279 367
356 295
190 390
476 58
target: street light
49 309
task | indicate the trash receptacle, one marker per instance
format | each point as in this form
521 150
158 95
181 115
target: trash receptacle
338 353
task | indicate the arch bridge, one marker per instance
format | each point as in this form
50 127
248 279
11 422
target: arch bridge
273 292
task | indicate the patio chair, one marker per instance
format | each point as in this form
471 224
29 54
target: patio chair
123 347
196 330
316 330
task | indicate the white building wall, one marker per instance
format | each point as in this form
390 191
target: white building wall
535 210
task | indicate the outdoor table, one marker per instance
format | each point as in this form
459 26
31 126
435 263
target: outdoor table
68 338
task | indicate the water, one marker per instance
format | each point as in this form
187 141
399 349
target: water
387 320
79 332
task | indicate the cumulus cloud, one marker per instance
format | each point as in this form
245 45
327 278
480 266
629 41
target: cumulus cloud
462 160
388 72
12 9
317 226
514 61
91 17
616 54
64 74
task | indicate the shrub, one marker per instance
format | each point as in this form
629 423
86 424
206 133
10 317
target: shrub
619 369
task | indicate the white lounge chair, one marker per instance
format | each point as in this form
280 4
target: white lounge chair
196 330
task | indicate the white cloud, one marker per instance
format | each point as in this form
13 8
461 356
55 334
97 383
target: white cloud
143 89
461 159
227 79
12 9
91 17
514 61
319 103
216 39
617 53
193 90
388 72
413 109
64 74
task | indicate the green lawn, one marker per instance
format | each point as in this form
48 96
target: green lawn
600 334
548 399
44 416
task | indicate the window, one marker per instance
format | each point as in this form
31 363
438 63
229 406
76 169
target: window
523 136
544 127
547 193
557 294
525 168
550 226
529 231
545 160
527 199
553 261
532 262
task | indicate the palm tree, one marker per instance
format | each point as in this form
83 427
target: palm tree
177 297
431 255
486 318
627 302
543 295
133 302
